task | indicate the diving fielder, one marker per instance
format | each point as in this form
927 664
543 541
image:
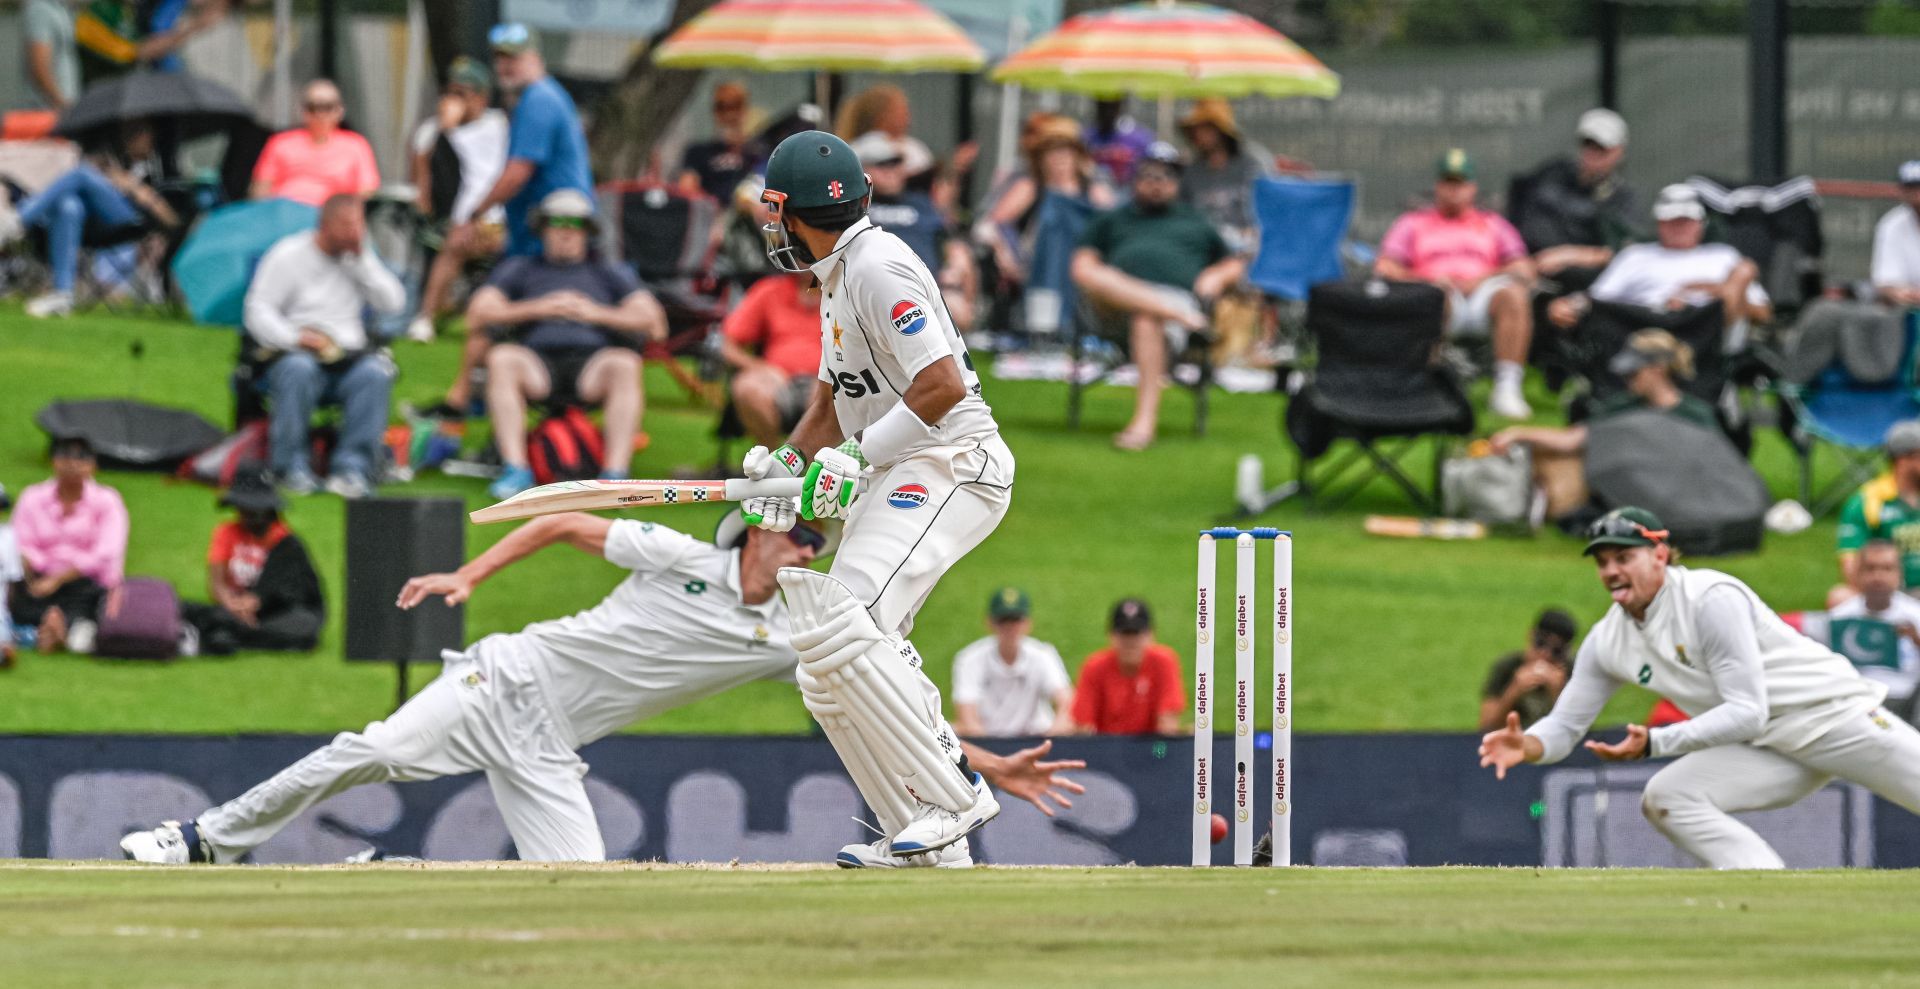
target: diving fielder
692 620
894 372
1775 715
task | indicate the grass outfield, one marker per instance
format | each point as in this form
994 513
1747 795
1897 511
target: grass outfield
1393 634
469 928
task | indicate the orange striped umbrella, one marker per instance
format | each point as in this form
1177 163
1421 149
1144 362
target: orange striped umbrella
1168 50
822 35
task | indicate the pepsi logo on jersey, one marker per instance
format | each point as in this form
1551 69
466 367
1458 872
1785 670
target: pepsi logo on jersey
908 496
908 317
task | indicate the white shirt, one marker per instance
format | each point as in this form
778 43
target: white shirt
1904 610
1013 698
298 286
671 633
1896 248
1649 275
11 570
1709 645
481 144
881 323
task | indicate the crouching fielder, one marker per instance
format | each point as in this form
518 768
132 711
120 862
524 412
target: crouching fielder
1775 715
893 371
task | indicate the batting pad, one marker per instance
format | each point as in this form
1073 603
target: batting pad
870 679
882 792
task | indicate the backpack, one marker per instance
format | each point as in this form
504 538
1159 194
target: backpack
140 619
565 446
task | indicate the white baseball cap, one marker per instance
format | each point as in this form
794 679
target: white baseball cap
1679 201
1603 127
876 148
1910 173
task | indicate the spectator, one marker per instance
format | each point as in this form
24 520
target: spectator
571 327
469 132
317 160
1529 681
780 318
1652 364
1886 508
1677 272
264 590
885 108
158 17
1057 163
1117 142
1219 181
11 570
1828 323
1160 264
111 42
72 532
913 217
717 167
1479 260
51 61
106 191
1133 686
546 148
303 313
1010 683
1878 568
1578 209
1896 245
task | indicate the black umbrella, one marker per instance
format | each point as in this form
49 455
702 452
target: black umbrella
130 435
197 107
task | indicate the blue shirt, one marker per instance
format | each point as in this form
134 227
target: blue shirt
912 217
545 132
605 282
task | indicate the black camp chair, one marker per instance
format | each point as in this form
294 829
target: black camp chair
1604 330
667 237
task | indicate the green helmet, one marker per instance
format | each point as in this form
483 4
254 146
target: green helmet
814 169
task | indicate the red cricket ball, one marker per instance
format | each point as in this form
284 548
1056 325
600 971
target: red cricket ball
1219 829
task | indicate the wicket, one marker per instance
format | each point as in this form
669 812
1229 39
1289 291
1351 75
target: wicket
1206 624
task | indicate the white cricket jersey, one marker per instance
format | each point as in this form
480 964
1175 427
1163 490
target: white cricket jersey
671 633
882 322
1713 648
1014 698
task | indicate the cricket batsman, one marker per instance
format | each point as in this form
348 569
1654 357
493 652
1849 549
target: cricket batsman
693 619
1774 715
894 372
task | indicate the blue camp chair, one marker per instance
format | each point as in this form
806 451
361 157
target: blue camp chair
1853 418
1303 223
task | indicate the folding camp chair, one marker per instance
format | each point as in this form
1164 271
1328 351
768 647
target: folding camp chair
1089 323
1850 416
667 236
1779 227
1303 223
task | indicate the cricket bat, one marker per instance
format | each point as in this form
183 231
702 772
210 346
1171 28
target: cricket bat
590 496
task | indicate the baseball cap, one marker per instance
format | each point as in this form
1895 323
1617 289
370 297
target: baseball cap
1903 438
1603 127
1679 201
464 71
875 148
510 38
1009 602
569 203
1131 615
1627 526
1161 153
1453 164
1910 172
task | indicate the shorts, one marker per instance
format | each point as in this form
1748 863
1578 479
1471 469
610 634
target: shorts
564 370
1467 314
793 400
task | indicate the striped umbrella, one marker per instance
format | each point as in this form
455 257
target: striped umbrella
821 35
1168 50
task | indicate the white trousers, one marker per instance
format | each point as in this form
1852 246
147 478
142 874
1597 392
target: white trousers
1692 800
485 713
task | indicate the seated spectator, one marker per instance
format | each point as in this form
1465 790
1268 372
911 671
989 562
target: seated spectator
107 191
1878 568
1874 325
1219 180
1652 364
1157 263
474 135
913 217
717 167
1117 141
72 532
1132 687
1529 681
1677 272
1887 509
1010 683
265 593
772 342
1479 260
112 44
303 313
317 160
1057 164
11 570
568 328
1896 245
1578 209
885 108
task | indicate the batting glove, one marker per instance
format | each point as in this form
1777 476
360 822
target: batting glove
830 485
774 514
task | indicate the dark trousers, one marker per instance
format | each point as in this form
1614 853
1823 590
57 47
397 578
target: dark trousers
288 630
78 598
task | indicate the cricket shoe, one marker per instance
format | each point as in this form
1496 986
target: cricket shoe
172 843
937 827
878 854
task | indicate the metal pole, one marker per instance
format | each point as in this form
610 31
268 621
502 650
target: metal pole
282 63
1608 18
1767 90
329 18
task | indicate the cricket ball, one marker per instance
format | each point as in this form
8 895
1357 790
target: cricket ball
1219 829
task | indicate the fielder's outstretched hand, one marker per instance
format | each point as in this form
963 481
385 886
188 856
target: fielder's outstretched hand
451 586
1024 775
1504 747
1634 746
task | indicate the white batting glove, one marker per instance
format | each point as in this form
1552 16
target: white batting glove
830 485
773 514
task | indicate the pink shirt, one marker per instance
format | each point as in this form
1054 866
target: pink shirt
294 167
91 539
1466 248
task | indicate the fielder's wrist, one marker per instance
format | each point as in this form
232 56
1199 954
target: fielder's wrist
889 438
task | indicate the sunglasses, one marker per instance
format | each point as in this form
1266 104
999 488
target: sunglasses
728 107
806 538
1620 526
567 222
322 107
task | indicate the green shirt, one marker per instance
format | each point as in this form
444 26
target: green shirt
1690 408
1877 511
1166 247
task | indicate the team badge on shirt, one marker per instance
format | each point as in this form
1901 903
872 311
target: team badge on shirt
908 317
908 496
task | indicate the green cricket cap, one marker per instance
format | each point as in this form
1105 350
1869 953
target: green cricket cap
1454 164
1627 526
1009 602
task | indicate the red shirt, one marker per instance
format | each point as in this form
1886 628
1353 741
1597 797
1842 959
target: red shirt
776 317
241 553
1115 702
294 167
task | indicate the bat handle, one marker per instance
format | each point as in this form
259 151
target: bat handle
740 488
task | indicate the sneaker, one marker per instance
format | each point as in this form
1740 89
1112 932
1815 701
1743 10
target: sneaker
299 481
421 329
936 827
51 305
1506 401
879 855
81 635
172 843
349 485
512 481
